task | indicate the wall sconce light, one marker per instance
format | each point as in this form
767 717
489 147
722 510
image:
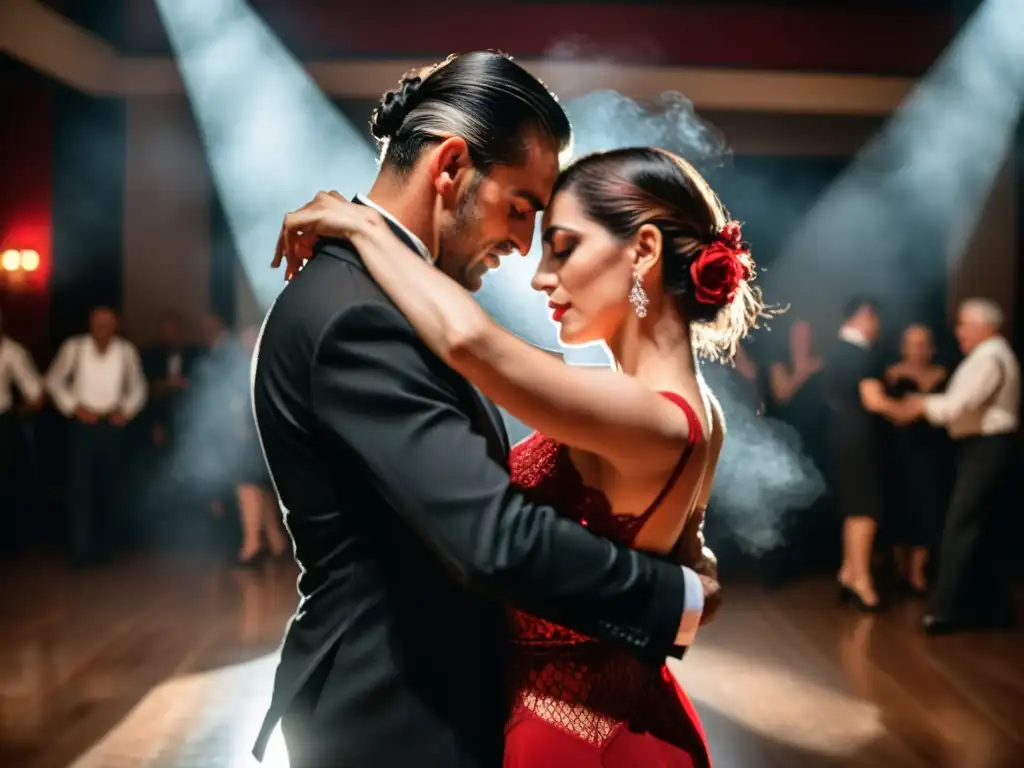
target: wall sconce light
13 260
30 260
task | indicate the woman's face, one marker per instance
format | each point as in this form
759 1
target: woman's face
586 272
917 345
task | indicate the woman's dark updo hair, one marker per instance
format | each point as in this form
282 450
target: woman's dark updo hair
624 189
483 97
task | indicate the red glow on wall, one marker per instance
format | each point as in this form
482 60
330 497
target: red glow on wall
876 37
26 204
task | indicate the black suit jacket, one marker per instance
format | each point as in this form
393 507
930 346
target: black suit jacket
155 360
392 470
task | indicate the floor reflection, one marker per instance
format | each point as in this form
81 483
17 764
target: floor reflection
169 663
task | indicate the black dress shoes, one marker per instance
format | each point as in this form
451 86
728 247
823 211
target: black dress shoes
936 625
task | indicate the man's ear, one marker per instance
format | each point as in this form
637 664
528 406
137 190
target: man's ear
447 163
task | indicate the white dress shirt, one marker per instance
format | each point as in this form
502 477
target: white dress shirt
103 382
17 368
983 397
853 336
420 247
174 363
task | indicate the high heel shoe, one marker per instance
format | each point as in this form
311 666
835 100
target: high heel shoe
253 561
914 592
849 595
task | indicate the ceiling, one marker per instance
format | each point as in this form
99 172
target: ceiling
898 37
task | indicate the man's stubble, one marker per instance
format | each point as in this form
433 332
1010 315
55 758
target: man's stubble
460 240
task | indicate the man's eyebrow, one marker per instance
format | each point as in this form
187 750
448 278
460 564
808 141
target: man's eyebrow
534 201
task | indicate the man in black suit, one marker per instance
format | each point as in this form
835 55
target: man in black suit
158 494
168 368
393 470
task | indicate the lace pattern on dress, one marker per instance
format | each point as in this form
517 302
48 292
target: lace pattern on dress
567 679
582 688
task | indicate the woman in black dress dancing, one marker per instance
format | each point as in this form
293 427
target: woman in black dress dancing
918 453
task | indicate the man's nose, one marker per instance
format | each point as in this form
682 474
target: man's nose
522 236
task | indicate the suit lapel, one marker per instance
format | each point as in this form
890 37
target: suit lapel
488 409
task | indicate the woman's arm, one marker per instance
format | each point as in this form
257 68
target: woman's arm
784 384
893 372
599 411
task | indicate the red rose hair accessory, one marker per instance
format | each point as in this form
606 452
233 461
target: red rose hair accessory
720 267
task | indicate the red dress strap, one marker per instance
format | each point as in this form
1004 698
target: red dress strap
696 433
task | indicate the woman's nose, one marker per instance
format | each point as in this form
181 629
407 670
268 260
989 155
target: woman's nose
543 281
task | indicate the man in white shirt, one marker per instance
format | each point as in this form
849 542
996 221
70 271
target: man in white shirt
96 380
16 370
981 411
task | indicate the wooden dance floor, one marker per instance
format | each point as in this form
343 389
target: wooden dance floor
168 662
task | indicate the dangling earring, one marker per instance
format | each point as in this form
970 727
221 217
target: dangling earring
638 296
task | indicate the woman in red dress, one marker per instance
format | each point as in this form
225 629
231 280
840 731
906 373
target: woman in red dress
641 257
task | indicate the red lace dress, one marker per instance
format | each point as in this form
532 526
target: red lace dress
580 702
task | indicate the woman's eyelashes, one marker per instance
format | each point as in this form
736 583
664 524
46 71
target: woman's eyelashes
563 249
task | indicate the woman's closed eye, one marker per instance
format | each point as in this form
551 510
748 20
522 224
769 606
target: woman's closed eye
562 253
559 244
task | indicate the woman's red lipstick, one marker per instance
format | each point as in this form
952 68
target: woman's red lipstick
558 310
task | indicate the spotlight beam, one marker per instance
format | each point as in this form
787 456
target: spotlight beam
917 190
271 135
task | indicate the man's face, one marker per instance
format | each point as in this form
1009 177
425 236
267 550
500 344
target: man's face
495 215
871 324
971 330
102 325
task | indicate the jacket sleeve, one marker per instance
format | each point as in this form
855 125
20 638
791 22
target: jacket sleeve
384 396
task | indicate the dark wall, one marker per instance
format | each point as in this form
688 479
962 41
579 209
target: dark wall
26 200
88 207
897 37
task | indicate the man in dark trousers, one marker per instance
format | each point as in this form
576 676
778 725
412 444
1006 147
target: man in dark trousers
981 410
96 381
393 470
160 492
168 367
